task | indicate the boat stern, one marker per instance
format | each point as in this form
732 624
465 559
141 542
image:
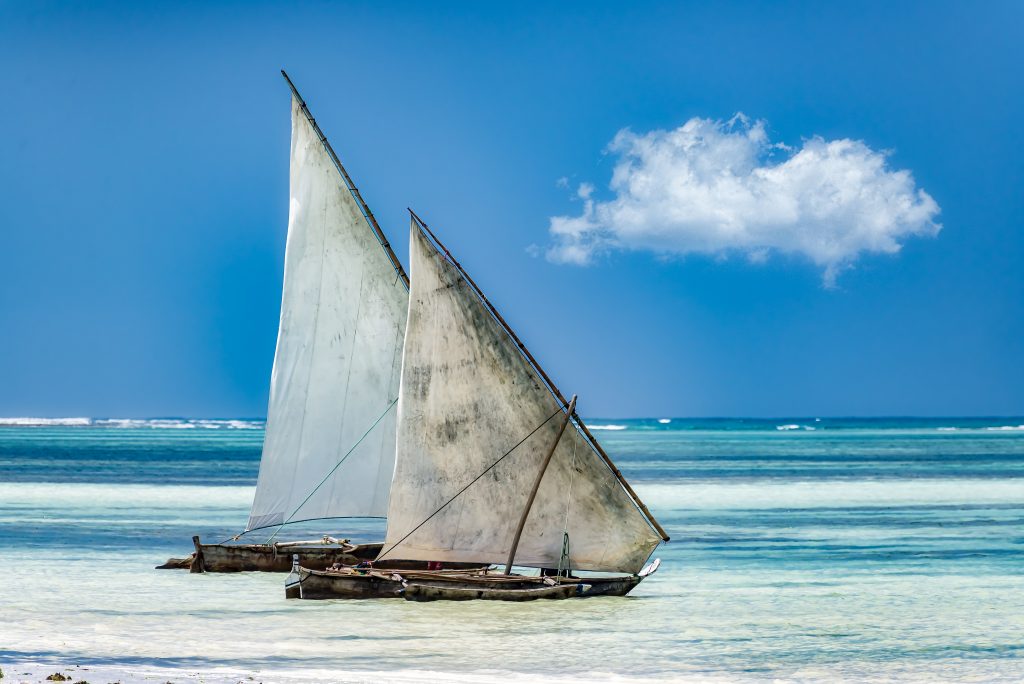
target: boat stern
293 582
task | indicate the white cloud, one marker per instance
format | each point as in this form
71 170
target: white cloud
718 188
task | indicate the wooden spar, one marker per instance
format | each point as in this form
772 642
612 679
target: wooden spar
551 385
536 485
350 185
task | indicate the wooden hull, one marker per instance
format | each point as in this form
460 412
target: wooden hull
311 584
308 583
609 586
422 592
381 582
270 557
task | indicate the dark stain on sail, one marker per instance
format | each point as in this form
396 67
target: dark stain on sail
418 381
448 431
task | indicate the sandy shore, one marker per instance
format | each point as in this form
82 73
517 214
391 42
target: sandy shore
32 672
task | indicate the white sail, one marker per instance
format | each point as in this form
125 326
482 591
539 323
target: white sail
338 360
468 396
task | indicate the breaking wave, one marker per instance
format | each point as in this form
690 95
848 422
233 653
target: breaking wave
607 427
44 422
161 423
993 428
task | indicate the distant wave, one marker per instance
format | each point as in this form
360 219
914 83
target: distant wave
162 423
994 428
640 425
44 422
171 423
794 426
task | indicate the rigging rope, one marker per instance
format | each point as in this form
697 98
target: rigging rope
328 475
458 493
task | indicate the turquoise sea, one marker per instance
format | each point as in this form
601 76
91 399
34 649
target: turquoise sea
802 550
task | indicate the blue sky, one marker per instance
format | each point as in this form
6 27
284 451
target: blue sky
143 172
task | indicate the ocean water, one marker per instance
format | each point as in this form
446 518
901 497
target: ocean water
802 550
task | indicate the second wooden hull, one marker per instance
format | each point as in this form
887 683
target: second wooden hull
350 583
308 583
422 592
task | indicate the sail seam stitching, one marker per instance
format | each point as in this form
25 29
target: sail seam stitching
399 332
312 353
351 355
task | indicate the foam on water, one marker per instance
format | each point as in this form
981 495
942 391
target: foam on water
71 495
44 422
313 675
681 496
136 423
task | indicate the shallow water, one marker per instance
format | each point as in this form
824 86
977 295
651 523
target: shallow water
859 550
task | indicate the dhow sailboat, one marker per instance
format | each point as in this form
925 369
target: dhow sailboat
493 466
329 448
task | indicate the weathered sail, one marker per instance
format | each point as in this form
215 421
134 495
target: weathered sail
339 349
468 396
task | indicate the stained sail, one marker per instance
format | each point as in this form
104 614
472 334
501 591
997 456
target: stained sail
468 397
339 349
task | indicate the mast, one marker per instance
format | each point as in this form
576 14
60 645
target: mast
536 485
370 218
551 385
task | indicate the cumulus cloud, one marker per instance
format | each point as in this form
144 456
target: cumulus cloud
722 187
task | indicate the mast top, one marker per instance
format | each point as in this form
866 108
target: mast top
367 214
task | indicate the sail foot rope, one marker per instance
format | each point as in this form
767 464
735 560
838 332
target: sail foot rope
470 484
